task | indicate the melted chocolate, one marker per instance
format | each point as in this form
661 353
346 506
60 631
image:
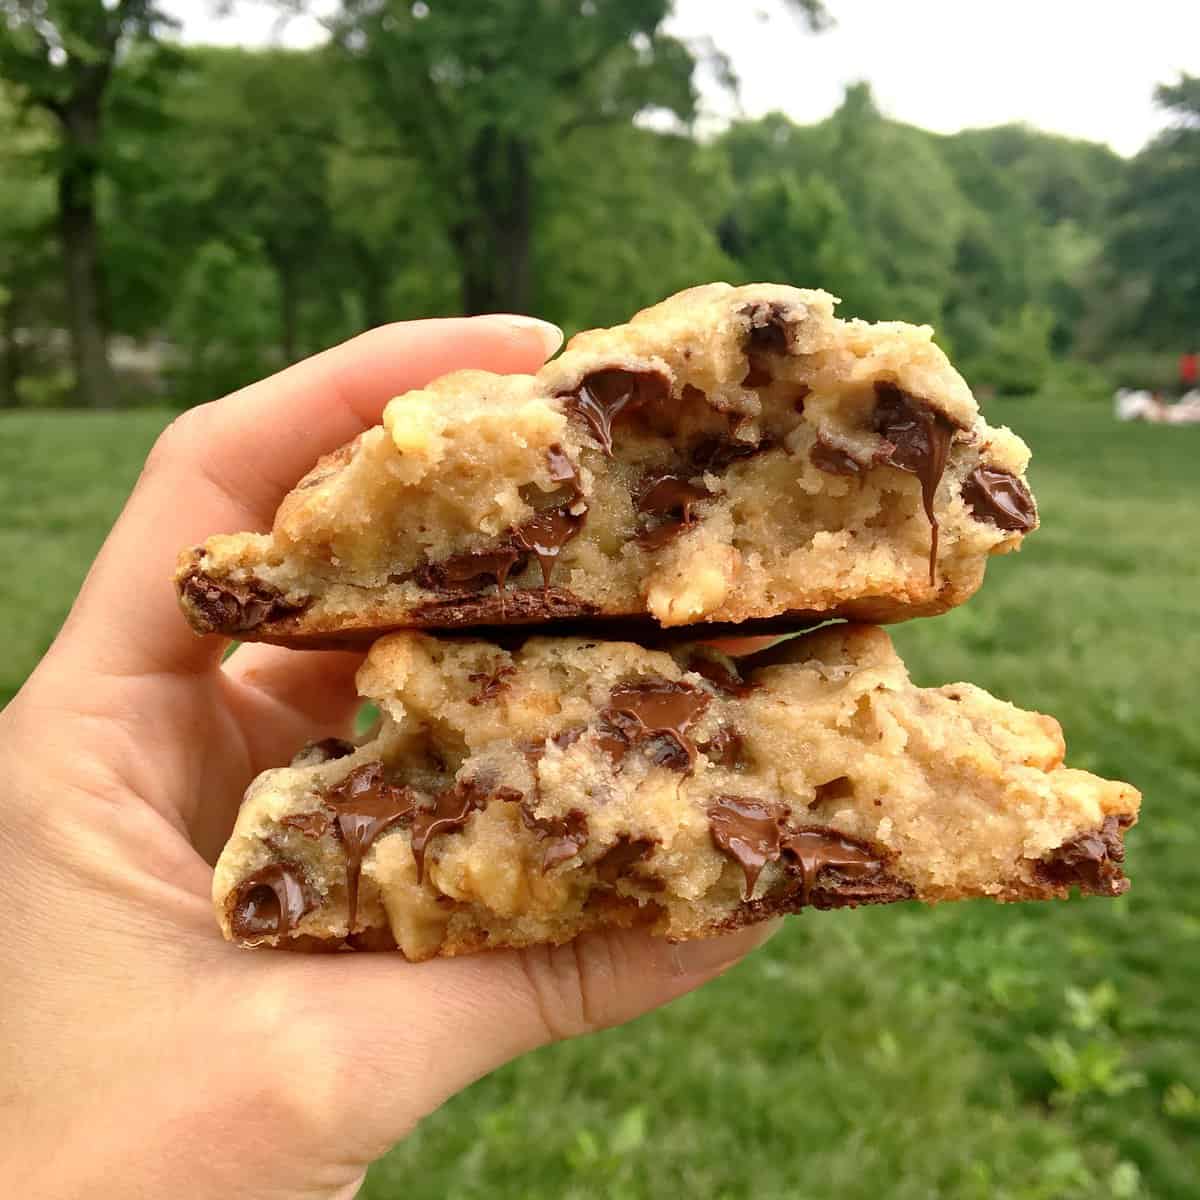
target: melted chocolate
757 375
491 684
669 496
313 825
713 455
1000 499
603 396
917 440
464 572
330 748
748 831
222 606
622 855
726 748
1092 861
655 713
564 837
364 804
270 903
546 534
562 469
810 851
448 814
833 460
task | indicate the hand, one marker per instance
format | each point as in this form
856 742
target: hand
140 1054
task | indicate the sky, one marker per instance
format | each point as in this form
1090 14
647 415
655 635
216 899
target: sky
1086 68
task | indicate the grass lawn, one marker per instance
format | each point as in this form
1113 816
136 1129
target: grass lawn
1022 1053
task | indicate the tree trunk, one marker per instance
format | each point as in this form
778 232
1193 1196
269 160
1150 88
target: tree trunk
95 385
493 241
372 286
10 353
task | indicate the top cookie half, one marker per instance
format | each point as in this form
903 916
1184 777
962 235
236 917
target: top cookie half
730 454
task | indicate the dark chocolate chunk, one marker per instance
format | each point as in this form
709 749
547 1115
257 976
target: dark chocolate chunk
522 608
758 375
916 440
326 750
562 469
491 683
470 570
563 837
670 496
1091 861
1000 499
313 824
546 534
448 814
604 396
270 903
769 327
748 831
726 748
833 460
713 455
620 856
364 804
657 713
811 851
223 606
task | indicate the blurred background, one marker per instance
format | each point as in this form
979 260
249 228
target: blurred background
193 195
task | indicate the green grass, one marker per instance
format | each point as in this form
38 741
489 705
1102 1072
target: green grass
1036 1052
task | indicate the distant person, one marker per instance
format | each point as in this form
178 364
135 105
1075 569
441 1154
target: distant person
1189 370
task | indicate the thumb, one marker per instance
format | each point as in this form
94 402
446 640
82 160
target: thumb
406 1037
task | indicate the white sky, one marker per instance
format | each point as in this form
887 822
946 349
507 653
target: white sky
1080 67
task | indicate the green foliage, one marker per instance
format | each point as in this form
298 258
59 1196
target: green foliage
1156 241
1015 356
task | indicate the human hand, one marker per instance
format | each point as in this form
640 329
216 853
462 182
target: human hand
140 1054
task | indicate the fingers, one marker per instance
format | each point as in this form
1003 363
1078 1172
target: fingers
286 698
225 467
404 1038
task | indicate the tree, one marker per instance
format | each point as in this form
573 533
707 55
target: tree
478 94
61 54
1155 246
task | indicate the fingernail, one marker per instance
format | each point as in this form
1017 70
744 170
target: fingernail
712 955
551 336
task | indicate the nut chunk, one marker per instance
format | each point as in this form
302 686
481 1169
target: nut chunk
729 454
520 797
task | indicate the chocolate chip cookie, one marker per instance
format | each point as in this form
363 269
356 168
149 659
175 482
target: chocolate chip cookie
729 454
511 797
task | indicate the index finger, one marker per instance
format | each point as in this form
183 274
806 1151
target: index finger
226 466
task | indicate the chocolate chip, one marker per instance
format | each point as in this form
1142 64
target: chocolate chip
562 469
833 460
545 535
1091 861
491 684
620 856
711 456
225 606
564 837
270 903
916 440
768 332
665 495
604 396
758 375
1000 499
365 804
313 825
726 748
748 831
470 570
448 814
811 851
657 712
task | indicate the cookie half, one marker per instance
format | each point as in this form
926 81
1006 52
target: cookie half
730 454
520 797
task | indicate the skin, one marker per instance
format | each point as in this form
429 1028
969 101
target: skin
140 1054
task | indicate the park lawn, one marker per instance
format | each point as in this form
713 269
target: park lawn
1037 1052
